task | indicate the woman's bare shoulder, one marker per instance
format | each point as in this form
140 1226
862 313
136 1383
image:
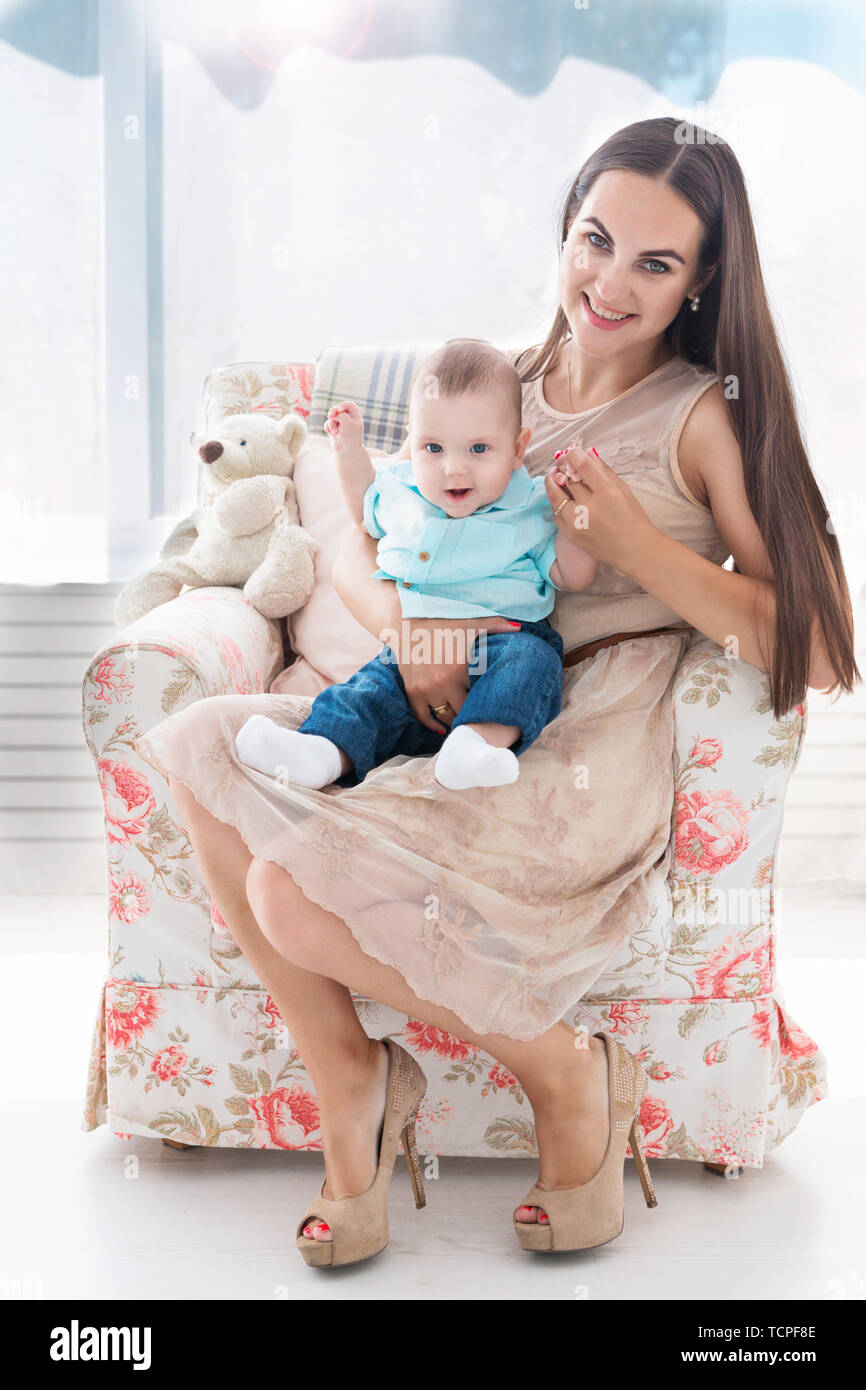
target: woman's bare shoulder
712 465
707 441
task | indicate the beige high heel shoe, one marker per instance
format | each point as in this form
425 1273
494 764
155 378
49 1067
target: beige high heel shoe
359 1225
591 1213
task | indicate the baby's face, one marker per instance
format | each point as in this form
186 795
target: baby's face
465 448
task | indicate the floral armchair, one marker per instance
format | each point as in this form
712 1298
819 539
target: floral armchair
189 1047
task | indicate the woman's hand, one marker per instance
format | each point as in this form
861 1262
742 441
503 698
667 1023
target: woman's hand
433 656
606 519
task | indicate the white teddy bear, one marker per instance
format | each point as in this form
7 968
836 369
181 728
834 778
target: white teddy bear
248 535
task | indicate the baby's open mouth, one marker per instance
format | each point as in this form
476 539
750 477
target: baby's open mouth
457 493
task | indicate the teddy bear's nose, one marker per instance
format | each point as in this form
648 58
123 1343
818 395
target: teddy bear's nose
211 451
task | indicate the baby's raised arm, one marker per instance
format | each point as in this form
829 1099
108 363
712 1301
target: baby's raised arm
354 464
573 567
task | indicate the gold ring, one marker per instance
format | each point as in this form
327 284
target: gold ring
561 505
439 709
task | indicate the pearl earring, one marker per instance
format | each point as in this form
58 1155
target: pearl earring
696 303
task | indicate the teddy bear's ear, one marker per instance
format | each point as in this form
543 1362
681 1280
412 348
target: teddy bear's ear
294 430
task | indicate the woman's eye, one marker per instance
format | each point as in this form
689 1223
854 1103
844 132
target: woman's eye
662 269
480 448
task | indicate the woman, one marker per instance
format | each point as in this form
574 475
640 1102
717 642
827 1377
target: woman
490 913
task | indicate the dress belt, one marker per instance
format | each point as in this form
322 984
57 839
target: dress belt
580 653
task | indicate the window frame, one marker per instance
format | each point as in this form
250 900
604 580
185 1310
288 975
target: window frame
130 63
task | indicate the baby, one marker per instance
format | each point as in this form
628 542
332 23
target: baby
464 532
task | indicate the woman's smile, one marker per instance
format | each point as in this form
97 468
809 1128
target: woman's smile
597 320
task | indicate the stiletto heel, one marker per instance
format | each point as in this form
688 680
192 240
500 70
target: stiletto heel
411 1152
643 1171
634 1140
591 1213
359 1225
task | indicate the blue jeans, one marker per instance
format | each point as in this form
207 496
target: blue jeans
371 720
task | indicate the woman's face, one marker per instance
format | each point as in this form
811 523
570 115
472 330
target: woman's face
632 249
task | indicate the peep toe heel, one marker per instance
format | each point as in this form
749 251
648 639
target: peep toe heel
592 1213
359 1225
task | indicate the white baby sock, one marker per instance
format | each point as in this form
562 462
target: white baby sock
468 760
308 760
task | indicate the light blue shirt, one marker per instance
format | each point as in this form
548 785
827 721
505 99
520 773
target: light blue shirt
496 560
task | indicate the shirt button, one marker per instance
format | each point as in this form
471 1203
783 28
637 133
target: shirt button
422 555
406 584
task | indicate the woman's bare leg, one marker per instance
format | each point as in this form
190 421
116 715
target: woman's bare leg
348 1069
563 1073
309 960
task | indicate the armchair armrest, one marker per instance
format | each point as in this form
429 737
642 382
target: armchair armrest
732 765
208 641
224 645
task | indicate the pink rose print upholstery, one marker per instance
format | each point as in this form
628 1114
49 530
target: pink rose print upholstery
189 1046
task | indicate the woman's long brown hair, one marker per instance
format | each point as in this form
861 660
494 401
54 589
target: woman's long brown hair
734 336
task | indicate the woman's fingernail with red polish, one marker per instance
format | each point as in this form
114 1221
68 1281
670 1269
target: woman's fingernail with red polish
593 450
511 624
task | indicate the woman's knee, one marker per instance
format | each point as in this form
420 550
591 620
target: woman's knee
261 885
278 906
182 795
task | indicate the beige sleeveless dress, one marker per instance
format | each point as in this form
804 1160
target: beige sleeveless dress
503 904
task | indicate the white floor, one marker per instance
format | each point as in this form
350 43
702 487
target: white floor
92 1216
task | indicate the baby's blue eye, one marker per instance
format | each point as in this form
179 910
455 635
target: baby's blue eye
435 447
482 447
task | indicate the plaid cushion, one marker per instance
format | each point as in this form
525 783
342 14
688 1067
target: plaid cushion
376 377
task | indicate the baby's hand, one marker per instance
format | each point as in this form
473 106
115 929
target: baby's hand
568 468
345 426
